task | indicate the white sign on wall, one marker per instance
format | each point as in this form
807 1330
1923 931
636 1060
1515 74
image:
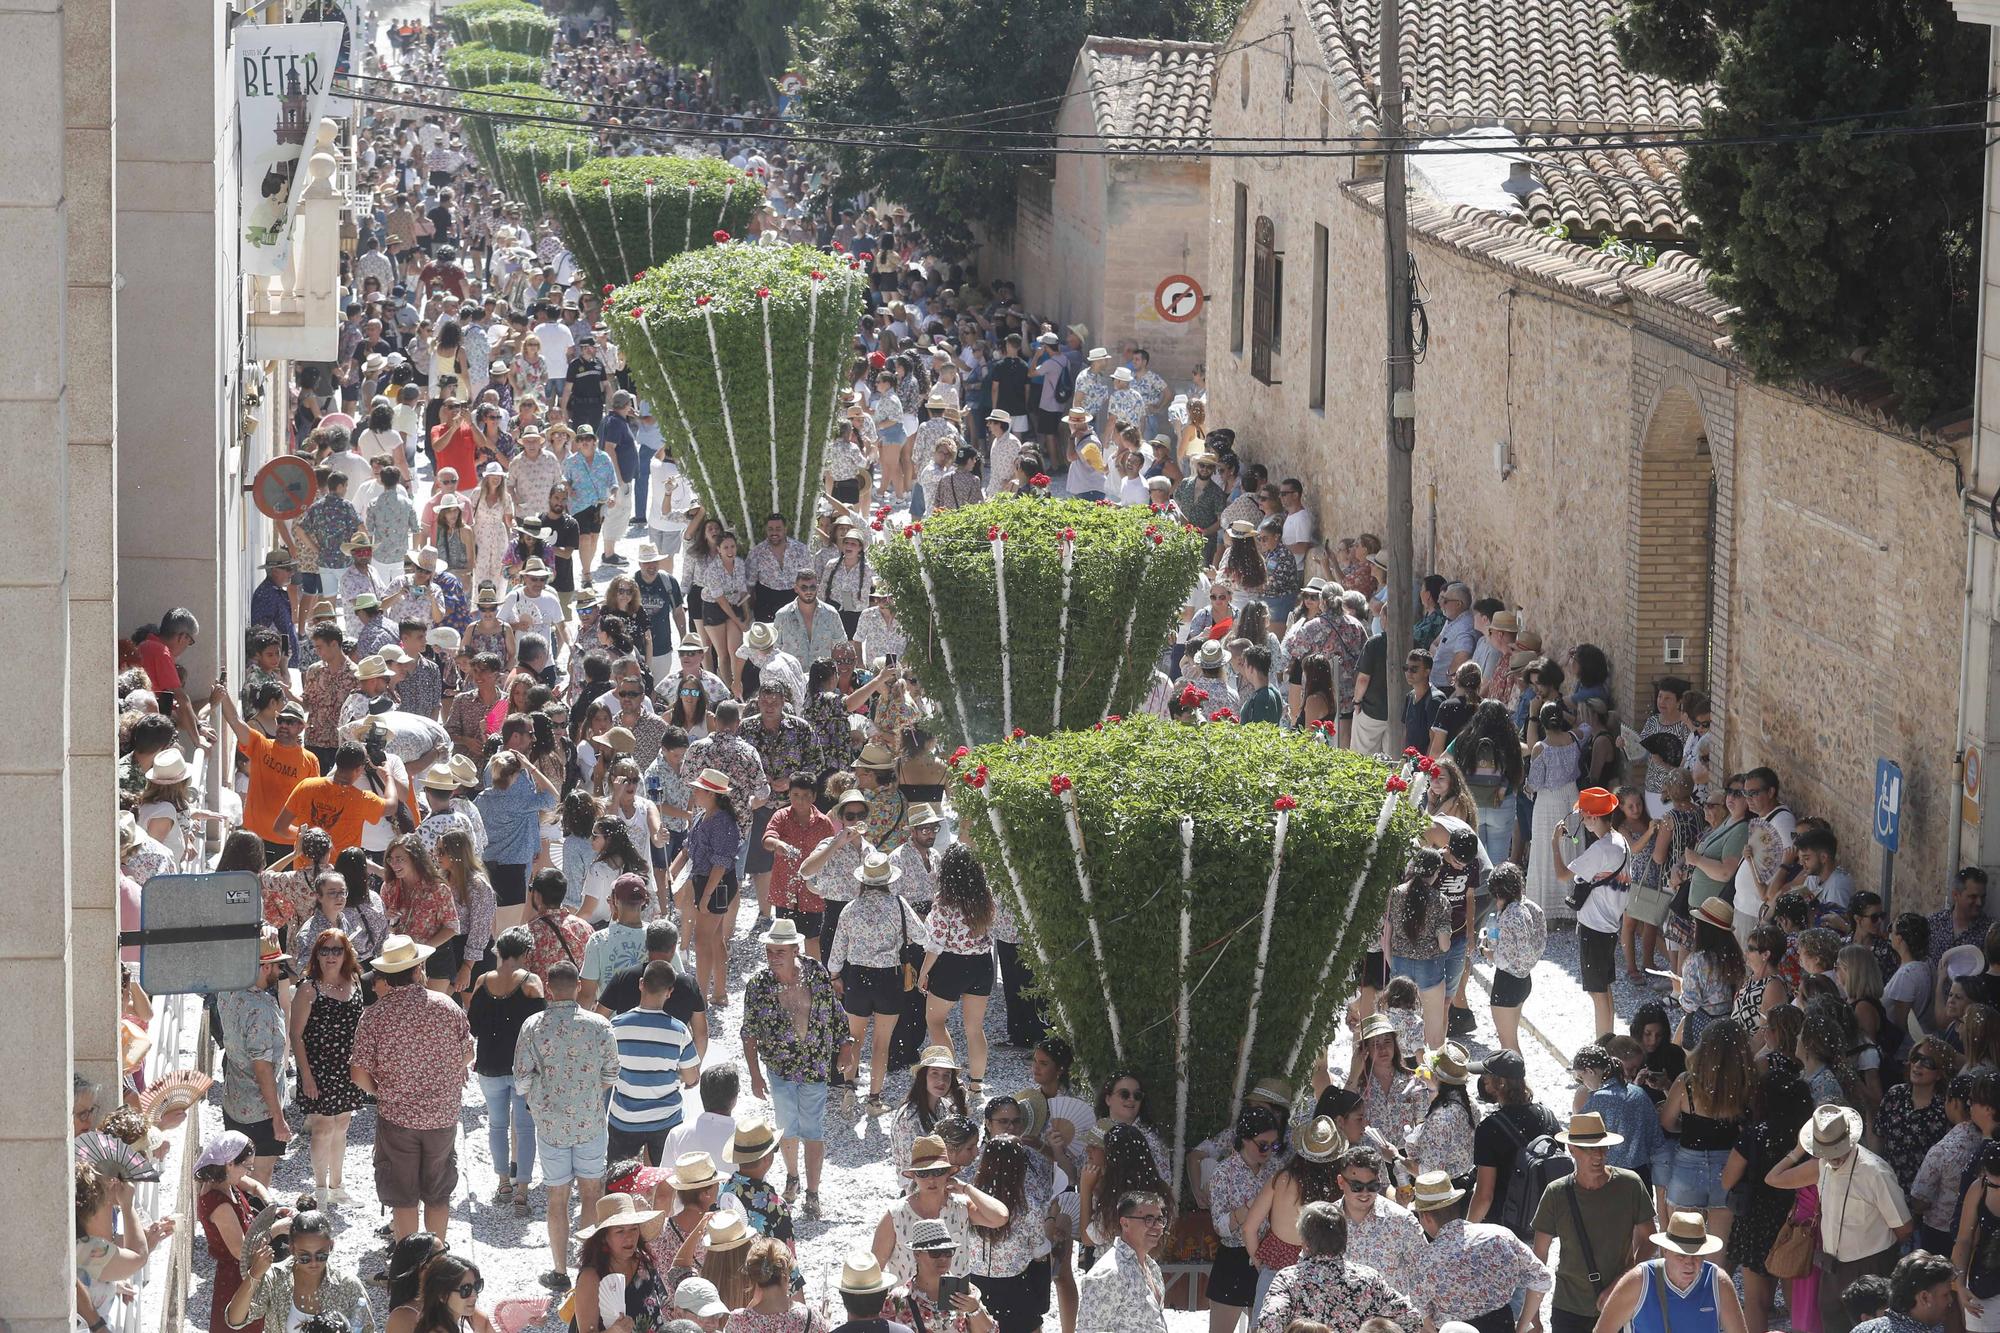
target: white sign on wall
284 77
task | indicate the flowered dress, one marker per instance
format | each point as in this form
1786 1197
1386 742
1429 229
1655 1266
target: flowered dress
329 1042
492 525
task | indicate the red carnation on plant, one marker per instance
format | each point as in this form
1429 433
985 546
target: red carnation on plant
839 249
1396 783
1020 733
995 535
637 311
1159 540
959 753
1039 479
605 181
640 276
1193 696
702 300
1284 803
1059 784
1114 718
865 255
720 236
1223 715
607 289
763 293
545 178
818 276
1411 752
976 778
1427 765
692 182
912 529
876 524
1152 528
649 180
1069 534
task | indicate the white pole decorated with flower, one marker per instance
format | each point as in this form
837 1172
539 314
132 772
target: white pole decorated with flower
1067 545
1346 919
1065 793
1284 806
812 336
722 394
611 211
680 414
1182 1037
583 228
687 240
1157 538
915 532
771 393
997 540
977 778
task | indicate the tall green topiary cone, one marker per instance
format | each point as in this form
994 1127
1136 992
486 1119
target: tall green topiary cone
528 153
528 31
507 100
1203 972
1073 651
741 351
476 65
622 215
459 18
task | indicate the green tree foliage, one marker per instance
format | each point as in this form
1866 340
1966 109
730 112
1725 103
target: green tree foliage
1129 573
622 215
530 154
745 44
1836 241
477 65
528 31
1133 783
459 18
741 351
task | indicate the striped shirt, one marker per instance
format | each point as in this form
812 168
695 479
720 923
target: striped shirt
653 1048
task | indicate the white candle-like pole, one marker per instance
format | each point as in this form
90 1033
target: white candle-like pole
999 544
687 428
1118 663
728 422
805 436
944 644
583 228
651 248
1182 1038
687 240
1068 547
1027 913
771 399
1280 825
611 211
1068 799
1347 918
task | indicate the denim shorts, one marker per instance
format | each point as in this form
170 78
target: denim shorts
1696 1179
586 1160
1428 973
800 1109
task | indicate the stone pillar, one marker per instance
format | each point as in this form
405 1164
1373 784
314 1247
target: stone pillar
58 919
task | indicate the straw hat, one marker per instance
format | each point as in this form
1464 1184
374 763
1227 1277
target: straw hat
727 1232
360 541
861 1275
443 638
753 1142
1506 622
393 654
693 1171
937 1057
367 601
168 768
784 933
922 814
488 595
1271 1092
280 560
1034 1112
761 636
853 796
1123 375
1529 640
371 667
649 554
1242 527
1717 911
1586 1130
875 755
1317 1140
534 569
1449 1064
1099 354
1832 1132
1005 418
464 769
711 780
690 643
1373 1026
1434 1190
616 1210
400 953
1687 1233
1211 655
876 872
439 777
618 740
926 1156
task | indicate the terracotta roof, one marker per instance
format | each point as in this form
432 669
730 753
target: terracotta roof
1147 94
1513 245
1620 191
1535 66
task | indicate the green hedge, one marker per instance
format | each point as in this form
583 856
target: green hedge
528 31
477 65
622 215
1133 782
459 18
508 99
1130 573
661 324
527 153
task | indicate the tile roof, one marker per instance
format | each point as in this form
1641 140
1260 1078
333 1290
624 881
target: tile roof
1603 190
1148 94
1535 66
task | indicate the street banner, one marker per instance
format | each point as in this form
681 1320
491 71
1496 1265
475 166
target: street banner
348 14
283 83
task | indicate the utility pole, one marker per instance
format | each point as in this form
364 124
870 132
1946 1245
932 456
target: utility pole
1401 435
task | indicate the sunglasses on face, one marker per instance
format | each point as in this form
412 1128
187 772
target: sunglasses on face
311 1256
472 1288
1264 1145
334 952
1125 1094
1364 1186
1735 791
1923 1062
628 694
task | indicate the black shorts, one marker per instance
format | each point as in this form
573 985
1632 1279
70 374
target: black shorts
443 965
1017 1302
760 855
1374 970
259 1132
765 603
1046 423
1510 991
1597 955
589 521
849 491
1232 1279
308 581
713 614
871 990
807 922
510 883
724 894
957 975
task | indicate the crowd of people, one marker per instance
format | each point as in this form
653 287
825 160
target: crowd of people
511 797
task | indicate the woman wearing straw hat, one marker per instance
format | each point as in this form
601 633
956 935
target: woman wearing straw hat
167 810
935 1092
1443 1142
1682 1291
709 857
846 576
612 1244
936 1195
1715 969
1311 1176
866 960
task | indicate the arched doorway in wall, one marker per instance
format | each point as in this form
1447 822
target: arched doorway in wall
1673 576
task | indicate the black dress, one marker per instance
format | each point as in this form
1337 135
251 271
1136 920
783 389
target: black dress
1759 1221
329 1043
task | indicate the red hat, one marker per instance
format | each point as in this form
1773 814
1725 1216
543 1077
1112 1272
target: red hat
876 360
629 888
1596 801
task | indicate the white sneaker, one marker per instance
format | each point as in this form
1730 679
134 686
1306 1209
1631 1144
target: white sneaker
323 1197
341 1198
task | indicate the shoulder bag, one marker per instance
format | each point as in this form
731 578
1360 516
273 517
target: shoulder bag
1590 1267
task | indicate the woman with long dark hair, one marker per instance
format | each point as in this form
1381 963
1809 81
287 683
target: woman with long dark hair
1311 1176
227 1199
847 579
517 793
1443 1142
710 860
1714 972
1317 701
612 1244
935 1092
1418 936
450 1300
1121 1099
1779 1106
1554 764
1488 750
460 866
1707 1106
1232 1280
422 906
958 966
1122 1163
410 1261
1012 1282
326 1008
612 854
1242 571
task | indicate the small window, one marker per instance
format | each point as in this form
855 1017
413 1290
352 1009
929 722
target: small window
1243 79
1268 291
1325 117
1317 396
1239 257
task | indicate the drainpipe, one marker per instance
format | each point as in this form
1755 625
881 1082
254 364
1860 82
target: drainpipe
1956 822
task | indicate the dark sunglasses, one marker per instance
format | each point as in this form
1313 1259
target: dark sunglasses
1363 1186
629 694
1925 1061
333 951
1125 1095
472 1288
1734 791
311 1256
1264 1145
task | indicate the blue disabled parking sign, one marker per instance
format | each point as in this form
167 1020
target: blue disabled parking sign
1888 804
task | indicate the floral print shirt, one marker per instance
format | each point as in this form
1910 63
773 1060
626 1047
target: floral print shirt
411 1042
392 522
1704 988
564 1061
834 880
339 1292
1473 1269
872 931
789 749
1125 1291
1935 1189
737 758
919 883
949 931
253 1029
1333 1292
1907 1133
1389 1240
790 889
325 690
329 522
1394 1109
552 934
420 910
787 1052
778 569
1443 1142
1234 1185
1523 935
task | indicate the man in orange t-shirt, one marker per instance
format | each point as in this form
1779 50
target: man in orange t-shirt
335 805
277 766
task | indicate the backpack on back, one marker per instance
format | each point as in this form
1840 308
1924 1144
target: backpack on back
1538 1163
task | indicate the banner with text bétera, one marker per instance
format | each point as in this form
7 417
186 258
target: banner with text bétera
284 76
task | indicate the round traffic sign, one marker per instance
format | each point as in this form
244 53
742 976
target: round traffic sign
1177 299
1973 771
284 487
791 84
